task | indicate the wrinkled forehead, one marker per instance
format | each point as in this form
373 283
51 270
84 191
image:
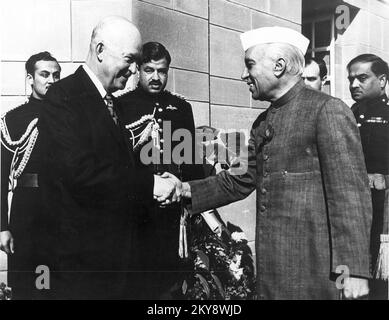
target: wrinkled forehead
361 68
50 66
257 52
312 69
156 64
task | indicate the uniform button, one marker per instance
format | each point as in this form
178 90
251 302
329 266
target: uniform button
263 191
362 116
161 151
160 109
162 141
262 208
160 130
267 133
284 173
157 103
159 120
265 174
265 157
359 125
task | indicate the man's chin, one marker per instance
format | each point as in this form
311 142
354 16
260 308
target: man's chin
357 97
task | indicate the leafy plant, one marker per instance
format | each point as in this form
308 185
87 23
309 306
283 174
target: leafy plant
223 265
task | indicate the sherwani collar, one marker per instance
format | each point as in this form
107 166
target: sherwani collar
289 95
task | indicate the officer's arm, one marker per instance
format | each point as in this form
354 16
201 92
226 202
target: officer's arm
226 187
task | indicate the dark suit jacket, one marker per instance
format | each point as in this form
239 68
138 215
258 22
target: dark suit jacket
92 187
313 201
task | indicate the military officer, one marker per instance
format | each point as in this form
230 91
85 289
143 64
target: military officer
20 195
154 117
368 74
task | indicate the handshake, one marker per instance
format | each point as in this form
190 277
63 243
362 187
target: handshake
169 189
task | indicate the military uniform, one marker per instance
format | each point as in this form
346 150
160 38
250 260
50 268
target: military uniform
373 121
20 160
160 227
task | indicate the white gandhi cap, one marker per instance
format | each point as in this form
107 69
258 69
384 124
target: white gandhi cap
274 35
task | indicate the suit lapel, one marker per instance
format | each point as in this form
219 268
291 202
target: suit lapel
97 111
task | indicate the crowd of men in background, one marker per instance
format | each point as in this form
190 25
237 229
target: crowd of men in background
76 197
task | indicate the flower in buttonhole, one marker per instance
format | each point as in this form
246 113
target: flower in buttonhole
238 236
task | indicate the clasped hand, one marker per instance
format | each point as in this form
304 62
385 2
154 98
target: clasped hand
169 189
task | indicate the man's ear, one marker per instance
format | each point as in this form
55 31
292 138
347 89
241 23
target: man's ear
279 67
30 79
383 78
99 51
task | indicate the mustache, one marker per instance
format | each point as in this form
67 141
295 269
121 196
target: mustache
155 82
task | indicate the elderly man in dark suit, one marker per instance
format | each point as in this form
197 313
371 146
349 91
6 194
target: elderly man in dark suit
90 181
305 160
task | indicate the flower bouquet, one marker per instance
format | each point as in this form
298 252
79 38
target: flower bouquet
223 264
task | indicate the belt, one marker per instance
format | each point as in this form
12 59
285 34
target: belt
28 180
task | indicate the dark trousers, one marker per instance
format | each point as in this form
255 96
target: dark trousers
378 288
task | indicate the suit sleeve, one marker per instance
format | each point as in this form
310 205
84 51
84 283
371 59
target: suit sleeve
227 186
72 159
346 187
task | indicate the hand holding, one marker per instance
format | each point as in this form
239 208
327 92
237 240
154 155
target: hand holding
355 288
7 242
163 188
176 196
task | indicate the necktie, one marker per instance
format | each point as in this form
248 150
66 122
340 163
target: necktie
109 102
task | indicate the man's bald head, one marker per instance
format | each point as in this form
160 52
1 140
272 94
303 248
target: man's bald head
114 51
115 30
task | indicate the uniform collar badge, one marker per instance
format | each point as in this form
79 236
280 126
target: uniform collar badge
170 107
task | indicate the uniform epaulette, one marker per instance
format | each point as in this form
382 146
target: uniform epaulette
12 109
176 95
121 93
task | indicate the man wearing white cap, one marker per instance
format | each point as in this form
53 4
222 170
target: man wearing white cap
306 163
